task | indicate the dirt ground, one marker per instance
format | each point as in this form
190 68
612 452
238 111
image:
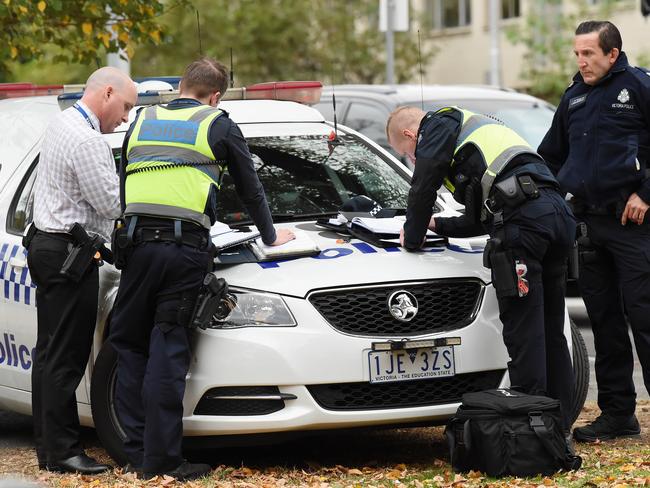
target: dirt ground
392 457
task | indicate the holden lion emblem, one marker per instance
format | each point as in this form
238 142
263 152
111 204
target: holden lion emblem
403 305
624 96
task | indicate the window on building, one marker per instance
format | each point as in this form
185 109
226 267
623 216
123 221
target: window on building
443 14
510 9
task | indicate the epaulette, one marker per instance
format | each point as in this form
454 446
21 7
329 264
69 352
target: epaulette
643 74
643 70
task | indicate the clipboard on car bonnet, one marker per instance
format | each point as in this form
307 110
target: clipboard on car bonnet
384 232
223 237
301 246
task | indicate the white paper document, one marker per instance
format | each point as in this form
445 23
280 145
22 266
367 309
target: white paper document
300 246
390 226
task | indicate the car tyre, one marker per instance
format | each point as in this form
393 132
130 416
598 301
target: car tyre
580 371
102 399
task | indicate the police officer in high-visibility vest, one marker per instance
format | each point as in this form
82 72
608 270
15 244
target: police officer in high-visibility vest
173 158
509 192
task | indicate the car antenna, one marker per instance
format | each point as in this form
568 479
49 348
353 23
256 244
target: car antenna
232 71
333 139
198 29
420 63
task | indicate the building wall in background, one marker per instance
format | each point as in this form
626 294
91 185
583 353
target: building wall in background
460 28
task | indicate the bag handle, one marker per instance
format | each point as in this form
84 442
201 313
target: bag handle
566 460
464 442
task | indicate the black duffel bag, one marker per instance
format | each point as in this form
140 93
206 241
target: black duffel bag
507 433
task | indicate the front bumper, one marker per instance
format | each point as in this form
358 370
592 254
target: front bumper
312 357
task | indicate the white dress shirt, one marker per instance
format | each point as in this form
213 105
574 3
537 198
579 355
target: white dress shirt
76 179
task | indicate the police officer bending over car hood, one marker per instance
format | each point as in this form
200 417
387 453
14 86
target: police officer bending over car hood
599 148
508 191
173 159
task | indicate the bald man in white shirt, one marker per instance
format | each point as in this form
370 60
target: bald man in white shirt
76 183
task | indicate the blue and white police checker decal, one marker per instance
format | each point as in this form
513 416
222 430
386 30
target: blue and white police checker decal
17 287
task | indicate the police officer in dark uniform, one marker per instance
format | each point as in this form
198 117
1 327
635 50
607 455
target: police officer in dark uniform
172 161
599 148
508 191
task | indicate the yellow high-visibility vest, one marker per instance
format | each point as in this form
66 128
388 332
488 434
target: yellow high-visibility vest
496 143
171 167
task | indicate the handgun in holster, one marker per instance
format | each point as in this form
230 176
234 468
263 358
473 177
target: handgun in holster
501 261
586 251
84 250
121 245
213 301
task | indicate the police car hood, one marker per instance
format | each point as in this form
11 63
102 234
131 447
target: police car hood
344 263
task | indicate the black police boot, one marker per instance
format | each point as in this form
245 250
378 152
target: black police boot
185 472
607 427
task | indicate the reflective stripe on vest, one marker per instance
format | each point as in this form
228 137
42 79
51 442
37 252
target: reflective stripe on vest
171 164
496 143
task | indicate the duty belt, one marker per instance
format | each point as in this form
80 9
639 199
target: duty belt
167 235
513 192
145 229
581 207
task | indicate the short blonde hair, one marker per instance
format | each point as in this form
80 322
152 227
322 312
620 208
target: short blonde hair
404 117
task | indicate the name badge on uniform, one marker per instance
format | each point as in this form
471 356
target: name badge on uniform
577 101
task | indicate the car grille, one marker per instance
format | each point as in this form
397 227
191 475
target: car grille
233 407
403 394
443 305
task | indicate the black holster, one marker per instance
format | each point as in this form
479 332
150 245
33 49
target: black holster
586 251
29 235
82 254
213 301
502 264
121 246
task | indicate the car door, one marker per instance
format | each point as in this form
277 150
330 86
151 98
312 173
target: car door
17 292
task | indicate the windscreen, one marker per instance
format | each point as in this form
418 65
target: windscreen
307 175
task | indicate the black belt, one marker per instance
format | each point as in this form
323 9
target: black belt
192 239
583 208
496 202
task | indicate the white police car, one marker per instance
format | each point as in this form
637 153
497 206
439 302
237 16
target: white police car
312 344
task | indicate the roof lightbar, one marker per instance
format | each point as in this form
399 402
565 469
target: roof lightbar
307 92
15 90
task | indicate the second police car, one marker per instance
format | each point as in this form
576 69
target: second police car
312 343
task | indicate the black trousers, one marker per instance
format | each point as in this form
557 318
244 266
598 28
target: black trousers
153 349
540 234
67 312
615 285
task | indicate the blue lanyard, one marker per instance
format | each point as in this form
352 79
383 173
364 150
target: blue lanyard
85 115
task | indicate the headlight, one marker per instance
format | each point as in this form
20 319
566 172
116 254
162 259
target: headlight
256 309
